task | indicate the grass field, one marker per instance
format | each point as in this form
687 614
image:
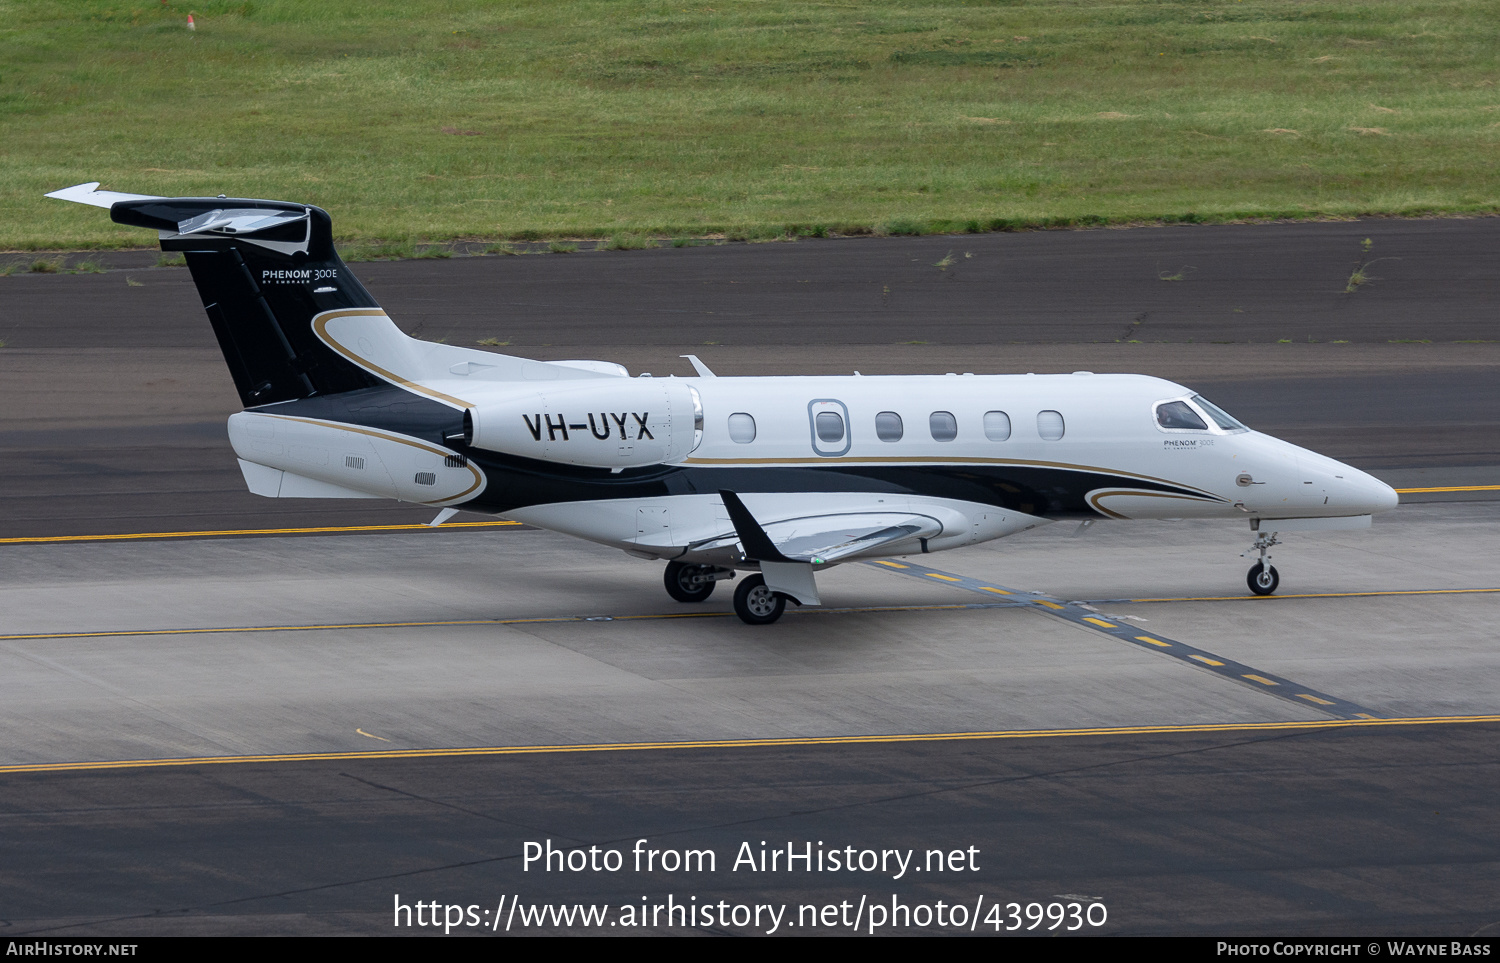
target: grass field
751 118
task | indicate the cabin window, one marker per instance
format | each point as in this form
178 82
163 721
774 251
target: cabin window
830 425
1049 424
741 428
943 425
828 421
1177 414
996 425
888 426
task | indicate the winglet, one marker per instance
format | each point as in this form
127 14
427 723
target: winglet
756 542
90 194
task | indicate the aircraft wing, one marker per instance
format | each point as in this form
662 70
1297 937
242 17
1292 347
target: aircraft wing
90 194
823 539
831 538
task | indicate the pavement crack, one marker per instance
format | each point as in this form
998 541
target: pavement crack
439 802
1133 329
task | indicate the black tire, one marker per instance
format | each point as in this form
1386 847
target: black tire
680 585
757 605
1262 582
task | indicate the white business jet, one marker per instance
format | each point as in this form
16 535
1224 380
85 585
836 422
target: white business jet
781 477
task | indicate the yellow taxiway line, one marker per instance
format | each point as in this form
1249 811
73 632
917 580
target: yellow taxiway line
1305 595
743 743
439 623
252 531
1450 488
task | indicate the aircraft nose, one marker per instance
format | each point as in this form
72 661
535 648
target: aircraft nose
1373 495
1388 498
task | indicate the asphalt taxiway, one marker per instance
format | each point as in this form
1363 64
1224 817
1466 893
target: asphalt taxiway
279 733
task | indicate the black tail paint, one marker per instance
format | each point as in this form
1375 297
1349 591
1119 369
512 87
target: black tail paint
264 270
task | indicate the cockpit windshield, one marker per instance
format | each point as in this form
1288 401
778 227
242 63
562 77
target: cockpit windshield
1221 417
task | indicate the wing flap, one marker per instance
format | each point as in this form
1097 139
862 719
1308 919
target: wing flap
839 538
823 539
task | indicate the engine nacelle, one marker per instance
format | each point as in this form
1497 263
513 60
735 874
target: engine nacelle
608 423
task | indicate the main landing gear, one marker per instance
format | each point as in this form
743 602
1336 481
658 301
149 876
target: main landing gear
756 604
693 583
753 602
1262 577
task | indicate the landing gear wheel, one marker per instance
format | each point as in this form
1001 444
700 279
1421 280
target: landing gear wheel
1262 579
682 582
757 605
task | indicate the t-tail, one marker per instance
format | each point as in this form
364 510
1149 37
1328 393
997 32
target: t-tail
265 270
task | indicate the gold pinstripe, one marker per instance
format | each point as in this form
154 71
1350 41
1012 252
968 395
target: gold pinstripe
320 328
399 439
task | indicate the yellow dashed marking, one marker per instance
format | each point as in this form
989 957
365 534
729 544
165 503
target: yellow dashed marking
1231 670
1366 715
881 561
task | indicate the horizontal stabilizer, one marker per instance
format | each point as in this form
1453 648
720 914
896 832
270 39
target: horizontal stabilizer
90 194
698 366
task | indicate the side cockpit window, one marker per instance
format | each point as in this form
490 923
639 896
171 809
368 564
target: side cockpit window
1178 414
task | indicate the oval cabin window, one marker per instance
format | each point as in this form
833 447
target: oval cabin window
1049 424
830 426
741 428
943 425
888 426
996 425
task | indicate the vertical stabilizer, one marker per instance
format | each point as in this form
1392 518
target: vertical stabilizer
264 270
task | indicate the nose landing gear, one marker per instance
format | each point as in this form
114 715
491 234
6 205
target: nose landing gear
1262 577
